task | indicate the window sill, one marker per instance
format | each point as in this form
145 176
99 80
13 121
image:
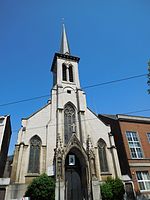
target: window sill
106 174
32 174
143 191
138 158
68 82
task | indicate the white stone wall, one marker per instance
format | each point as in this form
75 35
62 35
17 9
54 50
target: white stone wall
96 129
40 124
76 82
48 123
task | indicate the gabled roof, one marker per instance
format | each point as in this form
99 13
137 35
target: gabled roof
49 102
97 116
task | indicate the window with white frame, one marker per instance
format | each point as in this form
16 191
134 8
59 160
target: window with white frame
134 144
143 178
148 137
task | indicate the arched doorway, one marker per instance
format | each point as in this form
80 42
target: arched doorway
76 176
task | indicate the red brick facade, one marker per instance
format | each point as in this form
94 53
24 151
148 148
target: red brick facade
135 165
143 164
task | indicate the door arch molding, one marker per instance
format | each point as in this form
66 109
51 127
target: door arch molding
76 176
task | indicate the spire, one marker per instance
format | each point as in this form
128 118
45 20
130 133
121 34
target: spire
64 47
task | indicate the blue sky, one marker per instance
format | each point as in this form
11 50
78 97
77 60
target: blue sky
112 38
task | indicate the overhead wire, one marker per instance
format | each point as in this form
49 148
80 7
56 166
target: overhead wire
23 100
85 87
77 121
50 125
136 111
115 81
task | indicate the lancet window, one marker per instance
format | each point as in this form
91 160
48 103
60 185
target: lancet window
34 158
102 156
69 122
64 72
70 73
67 73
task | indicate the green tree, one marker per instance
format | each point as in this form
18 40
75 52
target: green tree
112 189
41 188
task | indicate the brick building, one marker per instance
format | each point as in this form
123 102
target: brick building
132 139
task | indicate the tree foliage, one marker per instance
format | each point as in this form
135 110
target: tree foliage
41 188
112 189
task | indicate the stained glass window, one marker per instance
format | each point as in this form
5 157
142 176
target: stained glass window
34 158
69 122
102 155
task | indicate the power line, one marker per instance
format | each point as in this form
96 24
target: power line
115 81
136 111
85 87
24 100
49 125
77 121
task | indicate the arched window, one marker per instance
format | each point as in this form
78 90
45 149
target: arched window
64 72
34 158
102 155
69 122
70 73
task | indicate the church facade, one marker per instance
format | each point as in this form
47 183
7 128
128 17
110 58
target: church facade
65 139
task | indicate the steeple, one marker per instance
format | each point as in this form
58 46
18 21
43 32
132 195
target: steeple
64 47
65 66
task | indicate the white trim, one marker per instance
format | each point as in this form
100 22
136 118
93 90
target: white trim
133 118
4 181
134 147
139 164
148 137
143 180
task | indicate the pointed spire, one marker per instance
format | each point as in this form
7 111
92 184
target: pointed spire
64 47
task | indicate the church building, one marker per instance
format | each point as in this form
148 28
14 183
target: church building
65 139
